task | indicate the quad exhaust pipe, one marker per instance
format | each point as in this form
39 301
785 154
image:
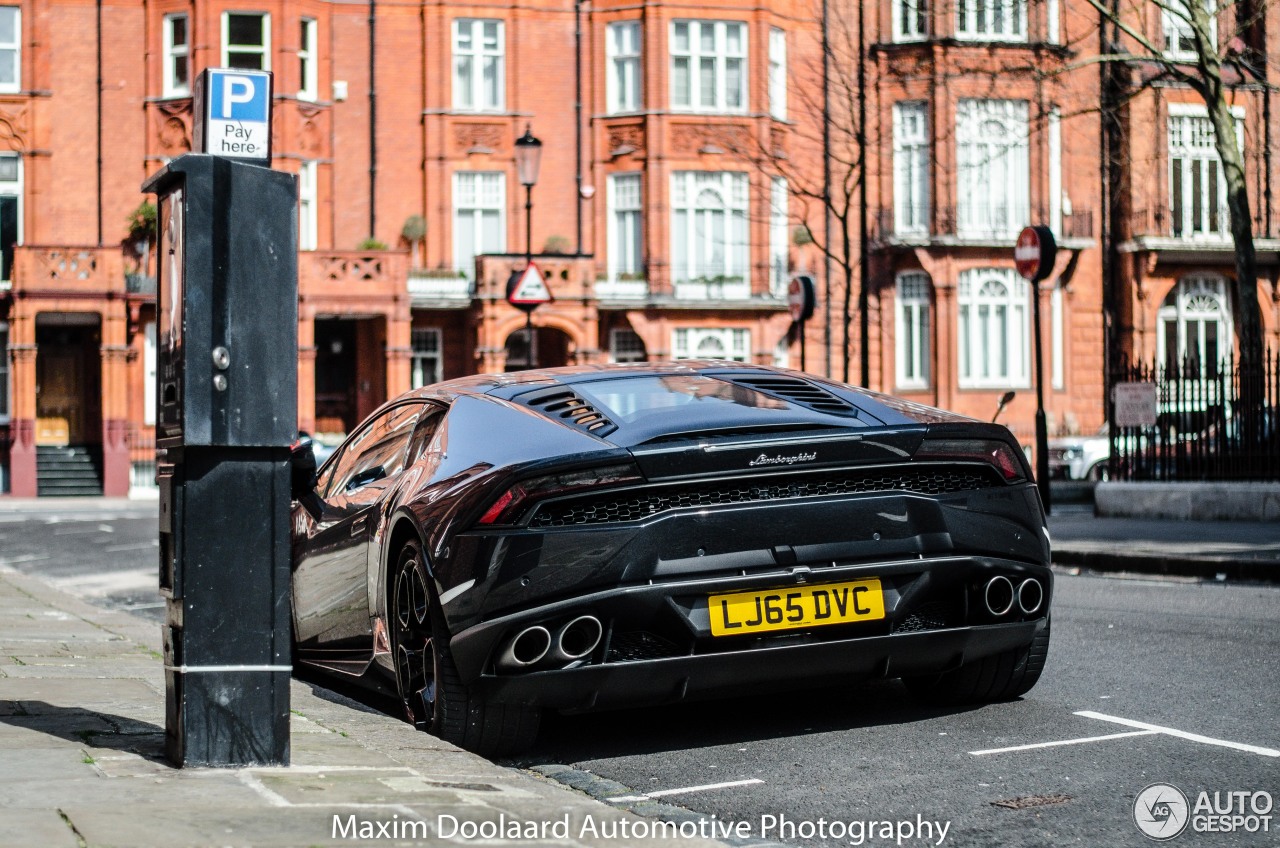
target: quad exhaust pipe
537 646
1030 595
1000 595
577 639
527 648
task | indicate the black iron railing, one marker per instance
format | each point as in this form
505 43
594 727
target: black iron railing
1214 421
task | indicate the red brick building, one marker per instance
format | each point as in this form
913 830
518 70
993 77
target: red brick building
659 236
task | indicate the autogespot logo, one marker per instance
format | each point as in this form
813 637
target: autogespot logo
1160 811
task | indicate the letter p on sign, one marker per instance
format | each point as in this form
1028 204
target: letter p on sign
235 89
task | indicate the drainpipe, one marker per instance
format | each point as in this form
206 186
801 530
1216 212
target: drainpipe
826 192
98 6
864 241
577 112
373 119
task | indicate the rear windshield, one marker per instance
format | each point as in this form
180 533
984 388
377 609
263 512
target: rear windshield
629 399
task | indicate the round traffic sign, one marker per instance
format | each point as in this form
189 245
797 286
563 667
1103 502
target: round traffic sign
1034 252
800 297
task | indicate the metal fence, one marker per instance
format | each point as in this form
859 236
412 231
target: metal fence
1214 421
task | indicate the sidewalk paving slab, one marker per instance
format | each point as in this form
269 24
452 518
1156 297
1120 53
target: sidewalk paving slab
82 756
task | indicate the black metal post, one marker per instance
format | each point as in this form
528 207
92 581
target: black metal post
1042 427
528 260
528 226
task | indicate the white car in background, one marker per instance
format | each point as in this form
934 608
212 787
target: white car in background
1080 457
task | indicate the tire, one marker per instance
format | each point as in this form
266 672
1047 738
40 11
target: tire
1098 472
1001 677
432 692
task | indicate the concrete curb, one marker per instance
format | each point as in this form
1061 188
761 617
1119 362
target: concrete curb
1189 501
1206 567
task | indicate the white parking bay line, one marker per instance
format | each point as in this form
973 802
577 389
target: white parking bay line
662 793
1064 742
1181 734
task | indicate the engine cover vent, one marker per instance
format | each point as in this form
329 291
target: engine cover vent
795 390
563 404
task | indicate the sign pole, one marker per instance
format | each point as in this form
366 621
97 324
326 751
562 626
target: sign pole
1033 257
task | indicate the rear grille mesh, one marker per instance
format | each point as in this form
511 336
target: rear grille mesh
634 505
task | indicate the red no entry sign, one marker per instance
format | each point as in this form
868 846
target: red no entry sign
1034 252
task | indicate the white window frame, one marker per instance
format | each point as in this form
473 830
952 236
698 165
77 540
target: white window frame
1057 321
1054 14
913 330
175 53
994 326
487 195
263 49
624 46
626 234
911 168
991 20
695 343
779 236
425 346
149 373
5 374
910 20
1193 158
717 61
1176 31
308 212
696 273
15 48
14 188
308 59
778 73
625 345
469 46
993 165
1197 301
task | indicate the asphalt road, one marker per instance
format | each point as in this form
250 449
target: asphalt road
1148 681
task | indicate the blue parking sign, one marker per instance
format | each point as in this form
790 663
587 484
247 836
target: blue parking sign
236 95
234 109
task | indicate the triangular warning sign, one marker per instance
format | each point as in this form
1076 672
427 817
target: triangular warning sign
527 288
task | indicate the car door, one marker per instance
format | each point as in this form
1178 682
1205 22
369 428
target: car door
330 576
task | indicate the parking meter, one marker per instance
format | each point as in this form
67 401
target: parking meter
227 413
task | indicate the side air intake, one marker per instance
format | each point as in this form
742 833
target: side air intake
566 405
795 390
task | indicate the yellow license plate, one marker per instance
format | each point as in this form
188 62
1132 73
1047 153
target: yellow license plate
796 607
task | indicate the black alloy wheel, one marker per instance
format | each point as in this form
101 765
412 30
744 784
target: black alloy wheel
412 642
434 697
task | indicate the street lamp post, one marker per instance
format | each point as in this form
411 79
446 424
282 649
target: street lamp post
528 160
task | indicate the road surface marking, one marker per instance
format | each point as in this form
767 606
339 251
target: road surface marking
1064 742
1182 734
662 793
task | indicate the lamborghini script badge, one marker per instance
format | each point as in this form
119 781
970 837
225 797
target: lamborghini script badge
781 459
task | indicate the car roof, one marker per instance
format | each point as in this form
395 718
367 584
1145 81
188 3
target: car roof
805 399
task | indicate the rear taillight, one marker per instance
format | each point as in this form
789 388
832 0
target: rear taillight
995 453
514 501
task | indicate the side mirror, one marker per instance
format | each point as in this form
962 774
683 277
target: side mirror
302 465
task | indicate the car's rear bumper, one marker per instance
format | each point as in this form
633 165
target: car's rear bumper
650 682
658 647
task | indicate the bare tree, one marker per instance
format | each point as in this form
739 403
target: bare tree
827 197
1198 56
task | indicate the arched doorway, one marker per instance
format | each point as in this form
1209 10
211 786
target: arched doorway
550 349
